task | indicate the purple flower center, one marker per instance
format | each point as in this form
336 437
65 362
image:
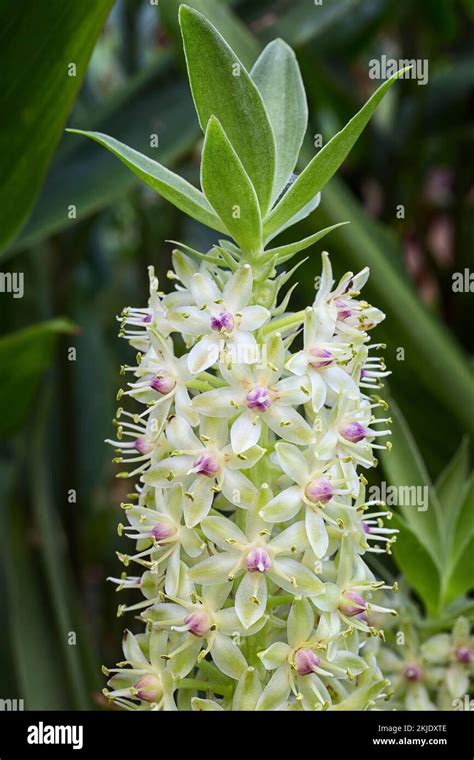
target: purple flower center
160 531
306 661
319 490
163 382
147 319
222 321
206 465
464 655
354 432
143 446
363 373
149 688
259 398
198 623
322 357
366 527
356 604
343 311
258 561
412 672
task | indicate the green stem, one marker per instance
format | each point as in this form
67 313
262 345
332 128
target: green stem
276 601
283 323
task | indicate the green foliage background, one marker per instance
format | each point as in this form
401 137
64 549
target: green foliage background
82 230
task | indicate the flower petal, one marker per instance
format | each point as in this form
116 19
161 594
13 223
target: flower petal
276 691
228 657
283 506
220 530
293 462
238 289
251 598
275 655
300 623
295 577
245 432
213 569
253 317
288 424
204 354
317 533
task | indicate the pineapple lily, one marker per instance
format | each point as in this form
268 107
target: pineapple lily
251 423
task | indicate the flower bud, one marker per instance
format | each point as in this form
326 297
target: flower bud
206 465
198 623
259 398
306 661
354 432
413 672
163 383
319 490
464 655
258 560
222 321
356 606
149 688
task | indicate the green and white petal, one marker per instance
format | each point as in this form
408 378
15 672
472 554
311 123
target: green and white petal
227 656
300 623
288 424
238 489
276 691
217 403
214 569
173 569
295 577
198 500
238 289
183 662
251 598
248 691
275 655
243 461
245 432
316 532
223 532
293 462
204 354
457 681
283 506
293 391
437 648
292 539
204 289
253 317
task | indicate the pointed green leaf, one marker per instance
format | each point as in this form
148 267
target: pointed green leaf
285 252
320 170
45 51
222 87
171 186
278 78
406 471
27 353
416 564
229 189
450 488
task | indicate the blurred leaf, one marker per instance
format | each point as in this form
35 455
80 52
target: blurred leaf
423 338
56 564
461 570
221 87
417 565
171 186
278 78
27 354
222 17
450 488
40 674
40 42
89 177
325 164
405 469
227 186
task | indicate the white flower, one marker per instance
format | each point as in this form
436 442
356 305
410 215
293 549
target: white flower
259 396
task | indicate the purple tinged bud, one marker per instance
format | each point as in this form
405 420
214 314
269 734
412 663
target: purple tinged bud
160 531
143 446
363 373
464 655
322 357
413 672
354 432
356 604
163 382
198 623
259 398
147 319
206 465
343 311
306 661
222 321
319 490
366 527
258 560
149 688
